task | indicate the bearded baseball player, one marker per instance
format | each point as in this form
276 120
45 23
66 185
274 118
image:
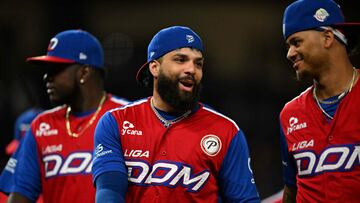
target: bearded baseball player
175 149
320 128
56 155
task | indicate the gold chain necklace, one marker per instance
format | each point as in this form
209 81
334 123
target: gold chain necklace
92 119
339 97
167 123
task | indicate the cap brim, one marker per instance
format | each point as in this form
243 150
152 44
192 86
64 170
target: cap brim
353 28
48 59
12 146
140 75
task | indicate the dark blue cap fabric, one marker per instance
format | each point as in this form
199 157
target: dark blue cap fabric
73 46
167 40
22 124
310 14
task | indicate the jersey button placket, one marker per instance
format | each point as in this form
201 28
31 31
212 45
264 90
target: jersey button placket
163 153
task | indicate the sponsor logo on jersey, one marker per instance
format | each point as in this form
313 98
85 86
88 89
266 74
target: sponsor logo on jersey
170 174
294 125
136 153
11 165
74 163
211 144
128 129
45 130
333 158
99 151
51 149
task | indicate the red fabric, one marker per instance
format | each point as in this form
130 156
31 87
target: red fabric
326 153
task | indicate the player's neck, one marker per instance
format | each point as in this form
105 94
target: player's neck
88 101
335 82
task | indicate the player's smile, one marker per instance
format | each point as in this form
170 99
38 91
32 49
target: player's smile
187 84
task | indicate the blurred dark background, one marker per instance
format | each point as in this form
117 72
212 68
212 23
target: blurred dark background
247 76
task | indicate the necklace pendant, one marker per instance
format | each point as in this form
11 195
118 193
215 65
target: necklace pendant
167 124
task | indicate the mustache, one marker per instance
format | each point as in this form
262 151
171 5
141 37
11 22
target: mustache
187 77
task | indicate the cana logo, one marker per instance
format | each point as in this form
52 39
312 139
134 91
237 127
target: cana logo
211 145
293 122
52 44
321 15
128 129
44 130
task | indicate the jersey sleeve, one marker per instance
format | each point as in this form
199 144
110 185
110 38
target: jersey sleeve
288 163
236 179
27 172
108 155
7 175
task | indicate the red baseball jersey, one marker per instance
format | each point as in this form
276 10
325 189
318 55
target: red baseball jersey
56 164
203 157
323 155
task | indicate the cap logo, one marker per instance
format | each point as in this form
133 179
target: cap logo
52 44
152 54
82 56
190 38
321 15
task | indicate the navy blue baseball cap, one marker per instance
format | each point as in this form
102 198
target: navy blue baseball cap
73 46
304 15
165 41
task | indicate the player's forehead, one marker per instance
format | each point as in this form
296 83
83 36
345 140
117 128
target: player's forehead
185 52
300 35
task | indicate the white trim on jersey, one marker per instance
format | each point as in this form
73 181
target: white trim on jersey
219 114
52 110
119 100
130 104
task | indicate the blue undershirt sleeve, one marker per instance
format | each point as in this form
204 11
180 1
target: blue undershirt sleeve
27 172
288 163
111 187
236 179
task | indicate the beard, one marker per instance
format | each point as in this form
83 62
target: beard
169 91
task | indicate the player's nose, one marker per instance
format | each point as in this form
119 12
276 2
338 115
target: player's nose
291 54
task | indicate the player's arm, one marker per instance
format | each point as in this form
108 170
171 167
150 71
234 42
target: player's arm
27 183
109 170
289 195
235 178
289 171
18 198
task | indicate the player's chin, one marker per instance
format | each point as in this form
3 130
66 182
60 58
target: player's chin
55 100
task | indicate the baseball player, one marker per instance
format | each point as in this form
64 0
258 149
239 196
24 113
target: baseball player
175 148
320 127
22 124
56 155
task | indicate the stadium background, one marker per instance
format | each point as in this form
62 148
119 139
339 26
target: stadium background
247 76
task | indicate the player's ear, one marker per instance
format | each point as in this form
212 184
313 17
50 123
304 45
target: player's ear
154 67
328 37
83 74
